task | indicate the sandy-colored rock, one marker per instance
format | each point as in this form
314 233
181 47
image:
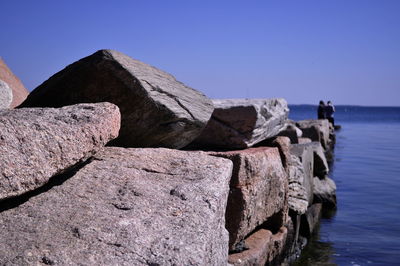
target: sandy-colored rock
258 191
156 109
19 92
126 207
6 95
38 143
241 123
263 248
304 140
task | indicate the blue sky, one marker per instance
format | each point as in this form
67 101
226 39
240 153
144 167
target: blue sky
304 51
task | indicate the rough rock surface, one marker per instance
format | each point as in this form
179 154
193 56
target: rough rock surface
263 248
291 131
325 191
298 198
156 109
19 91
38 143
316 130
5 95
126 207
304 140
258 191
321 168
241 123
306 155
310 219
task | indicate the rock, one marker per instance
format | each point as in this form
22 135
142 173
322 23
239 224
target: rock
258 191
304 140
291 131
241 123
298 197
19 92
310 220
38 143
264 247
126 207
316 130
325 191
321 168
156 109
306 155
5 95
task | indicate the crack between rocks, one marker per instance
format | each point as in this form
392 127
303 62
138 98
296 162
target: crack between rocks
173 97
226 125
156 172
56 180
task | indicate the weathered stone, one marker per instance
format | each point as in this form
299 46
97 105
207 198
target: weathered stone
156 109
310 219
316 130
126 207
5 95
298 198
304 140
321 168
306 155
19 92
241 123
325 191
258 191
283 145
291 131
264 247
38 143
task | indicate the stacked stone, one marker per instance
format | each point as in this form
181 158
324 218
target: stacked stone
237 194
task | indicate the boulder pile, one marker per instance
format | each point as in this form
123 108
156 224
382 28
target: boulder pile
91 172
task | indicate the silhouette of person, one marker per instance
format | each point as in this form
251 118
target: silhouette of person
329 110
321 110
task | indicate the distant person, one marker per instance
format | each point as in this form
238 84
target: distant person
329 110
321 110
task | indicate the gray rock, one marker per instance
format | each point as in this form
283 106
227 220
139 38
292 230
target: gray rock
156 109
317 130
38 143
310 220
298 198
325 191
18 90
258 192
126 207
321 168
241 123
305 153
291 131
5 95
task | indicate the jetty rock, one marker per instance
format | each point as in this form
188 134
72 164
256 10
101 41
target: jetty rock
38 143
258 192
6 95
17 89
241 123
127 206
156 109
317 130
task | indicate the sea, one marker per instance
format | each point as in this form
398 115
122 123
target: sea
365 228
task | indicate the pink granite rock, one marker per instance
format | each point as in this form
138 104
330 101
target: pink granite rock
38 143
19 92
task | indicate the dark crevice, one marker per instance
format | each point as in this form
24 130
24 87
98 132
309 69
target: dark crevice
56 180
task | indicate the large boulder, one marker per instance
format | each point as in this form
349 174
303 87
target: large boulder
291 131
38 143
310 220
126 207
317 130
19 92
258 191
156 109
241 123
6 95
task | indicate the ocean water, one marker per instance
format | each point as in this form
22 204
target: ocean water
365 229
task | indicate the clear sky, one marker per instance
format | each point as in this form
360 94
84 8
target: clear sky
347 51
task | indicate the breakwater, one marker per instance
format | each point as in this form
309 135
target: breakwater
114 162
